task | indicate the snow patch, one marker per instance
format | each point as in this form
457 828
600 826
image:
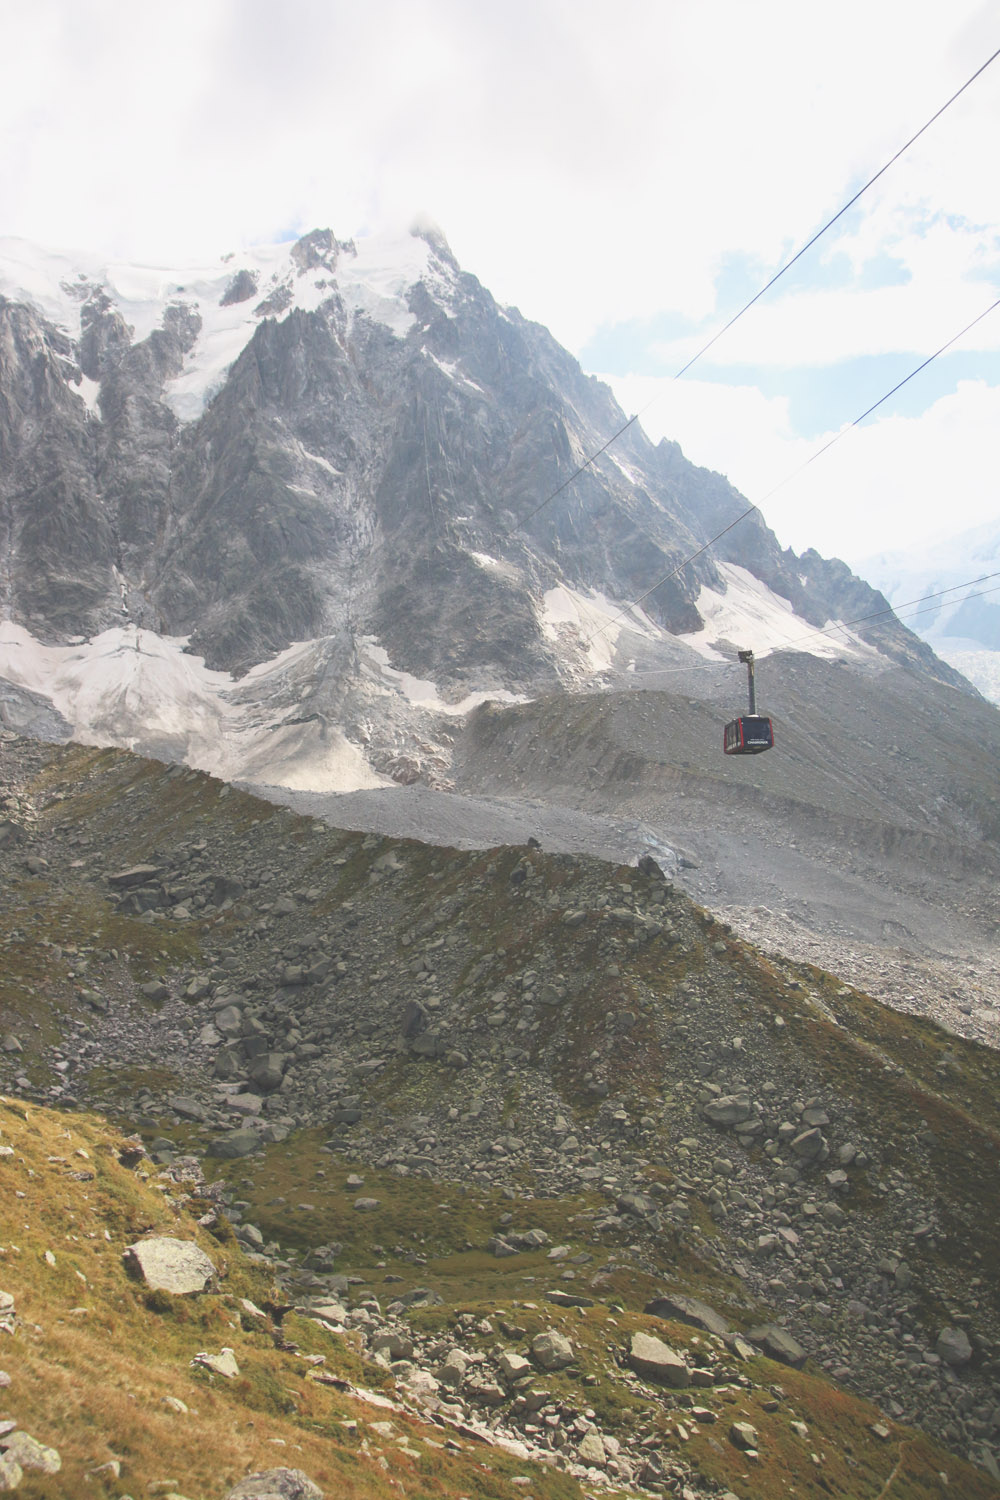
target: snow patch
454 373
88 390
315 458
141 691
598 620
421 693
749 614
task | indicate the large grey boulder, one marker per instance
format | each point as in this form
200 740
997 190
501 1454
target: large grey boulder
777 1344
688 1310
21 1450
953 1346
276 1484
729 1109
553 1351
169 1265
656 1360
235 1144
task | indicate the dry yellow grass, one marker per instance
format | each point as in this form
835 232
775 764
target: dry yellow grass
96 1360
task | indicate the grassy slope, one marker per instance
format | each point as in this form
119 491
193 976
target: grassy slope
92 1383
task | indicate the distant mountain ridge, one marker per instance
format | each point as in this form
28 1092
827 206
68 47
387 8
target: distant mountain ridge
962 624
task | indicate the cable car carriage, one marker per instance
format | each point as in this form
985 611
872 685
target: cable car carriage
752 733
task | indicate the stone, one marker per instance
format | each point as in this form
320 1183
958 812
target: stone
953 1346
553 1351
809 1145
728 1109
276 1484
453 1370
134 875
228 1021
366 1205
234 1144
688 1310
223 1363
777 1344
744 1437
651 1357
168 1265
186 1107
267 1071
392 1345
591 1449
513 1365
11 1473
29 1453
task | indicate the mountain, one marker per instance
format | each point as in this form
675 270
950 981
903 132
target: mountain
963 625
460 1173
345 452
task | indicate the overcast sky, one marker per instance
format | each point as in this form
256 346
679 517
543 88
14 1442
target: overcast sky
627 173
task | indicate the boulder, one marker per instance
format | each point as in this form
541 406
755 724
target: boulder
276 1484
169 1265
655 1360
135 875
27 1452
744 1437
953 1346
228 1021
688 1310
591 1449
777 1344
809 1145
223 1363
11 1473
728 1109
235 1144
267 1071
553 1351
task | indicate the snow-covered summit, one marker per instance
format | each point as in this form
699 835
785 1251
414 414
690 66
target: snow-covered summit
372 276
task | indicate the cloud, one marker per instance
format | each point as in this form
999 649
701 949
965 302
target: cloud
596 169
887 484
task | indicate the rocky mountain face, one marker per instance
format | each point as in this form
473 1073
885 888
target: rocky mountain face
530 1144
370 462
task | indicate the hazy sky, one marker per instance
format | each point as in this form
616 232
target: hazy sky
627 173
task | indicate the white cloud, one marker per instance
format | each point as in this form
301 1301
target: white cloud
589 168
888 484
592 167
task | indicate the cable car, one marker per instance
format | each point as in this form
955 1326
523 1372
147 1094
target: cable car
752 733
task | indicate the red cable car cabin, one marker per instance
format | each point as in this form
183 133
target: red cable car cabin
753 732
748 736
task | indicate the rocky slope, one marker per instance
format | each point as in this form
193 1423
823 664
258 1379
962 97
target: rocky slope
550 1075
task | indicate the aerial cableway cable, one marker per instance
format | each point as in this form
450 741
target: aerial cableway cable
756 297
634 603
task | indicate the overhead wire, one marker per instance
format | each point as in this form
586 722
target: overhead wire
634 603
756 297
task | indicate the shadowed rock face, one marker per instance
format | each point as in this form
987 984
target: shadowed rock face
348 478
